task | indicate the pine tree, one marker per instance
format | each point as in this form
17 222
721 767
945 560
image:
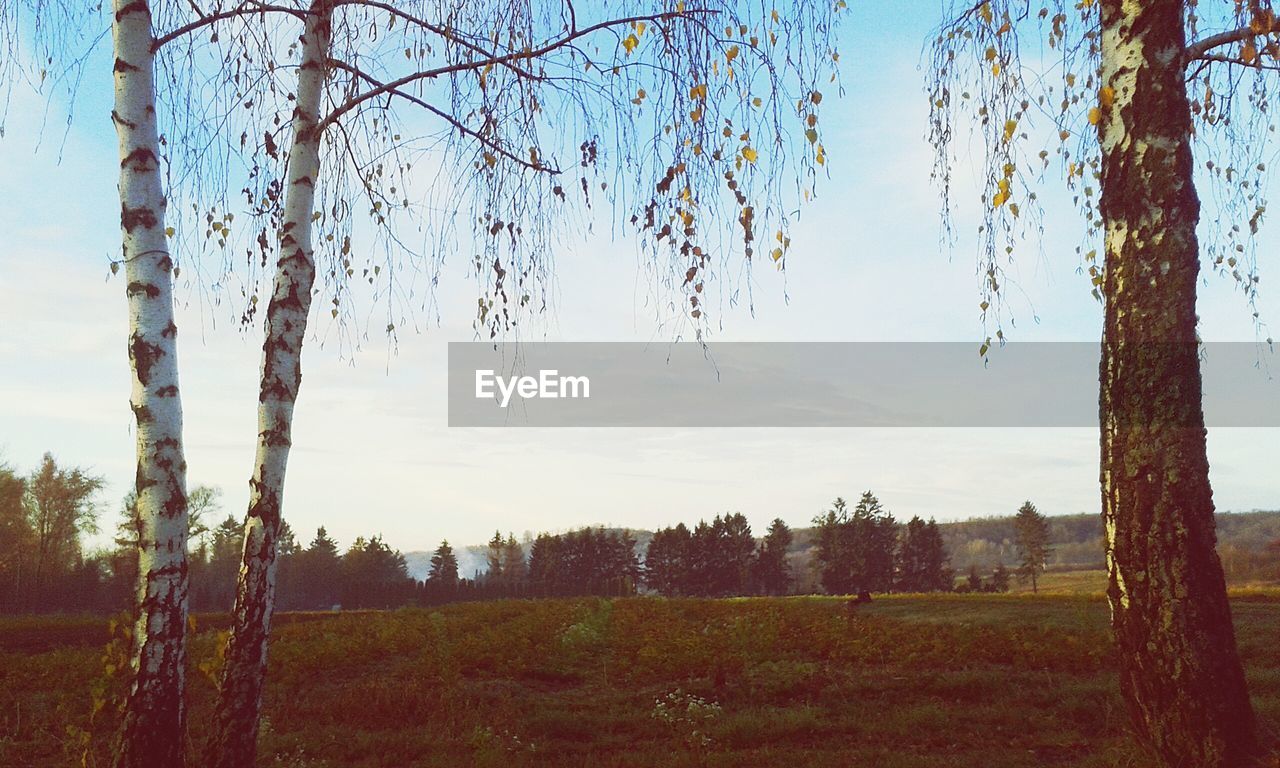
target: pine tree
444 567
772 572
1031 530
935 575
514 568
494 557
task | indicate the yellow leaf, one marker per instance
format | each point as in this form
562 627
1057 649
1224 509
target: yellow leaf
1106 96
749 154
985 10
1095 115
1248 53
995 70
731 54
640 27
1010 128
777 254
630 43
168 231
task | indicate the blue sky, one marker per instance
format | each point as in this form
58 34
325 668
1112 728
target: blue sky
372 452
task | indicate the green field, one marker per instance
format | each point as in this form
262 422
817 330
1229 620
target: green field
977 680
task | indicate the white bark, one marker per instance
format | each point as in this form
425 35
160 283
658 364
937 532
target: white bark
240 696
153 731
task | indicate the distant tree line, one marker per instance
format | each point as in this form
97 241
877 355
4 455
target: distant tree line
45 516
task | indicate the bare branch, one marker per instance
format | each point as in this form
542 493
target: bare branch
438 30
392 91
505 59
248 8
1199 49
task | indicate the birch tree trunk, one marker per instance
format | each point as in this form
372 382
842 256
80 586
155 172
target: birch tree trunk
1179 669
234 742
153 731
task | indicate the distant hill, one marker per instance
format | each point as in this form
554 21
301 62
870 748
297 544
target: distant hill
1249 543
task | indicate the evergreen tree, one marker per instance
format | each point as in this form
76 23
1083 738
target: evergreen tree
319 573
374 575
772 572
444 567
912 565
1031 530
668 561
514 568
494 557
935 575
856 549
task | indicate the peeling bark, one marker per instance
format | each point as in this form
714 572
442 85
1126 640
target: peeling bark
153 730
234 742
1179 668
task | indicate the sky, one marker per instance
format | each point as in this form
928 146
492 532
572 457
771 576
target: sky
373 453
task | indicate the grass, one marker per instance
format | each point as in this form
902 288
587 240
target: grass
904 682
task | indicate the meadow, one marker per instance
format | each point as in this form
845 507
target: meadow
999 681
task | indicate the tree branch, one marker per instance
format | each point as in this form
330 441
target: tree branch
247 8
394 91
1200 48
435 29
505 59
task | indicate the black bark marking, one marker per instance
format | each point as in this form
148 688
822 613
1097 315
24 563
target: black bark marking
137 6
137 286
123 66
169 391
142 216
143 355
140 159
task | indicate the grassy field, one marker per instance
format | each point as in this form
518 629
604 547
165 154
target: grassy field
974 680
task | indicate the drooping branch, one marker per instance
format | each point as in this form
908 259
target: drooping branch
392 91
524 55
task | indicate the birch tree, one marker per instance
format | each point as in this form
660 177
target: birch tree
154 723
1123 98
58 38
